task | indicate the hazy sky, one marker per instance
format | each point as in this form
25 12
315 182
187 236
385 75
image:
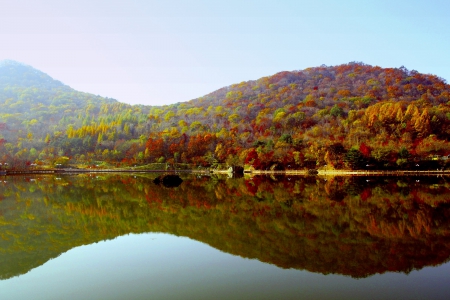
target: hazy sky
165 51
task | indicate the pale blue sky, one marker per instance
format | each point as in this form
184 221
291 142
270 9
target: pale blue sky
161 52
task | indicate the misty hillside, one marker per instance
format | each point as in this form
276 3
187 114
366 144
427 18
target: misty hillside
15 74
35 109
345 116
24 89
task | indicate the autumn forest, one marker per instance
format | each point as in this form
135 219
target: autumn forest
351 116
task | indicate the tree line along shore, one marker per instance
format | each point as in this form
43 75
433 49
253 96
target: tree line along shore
230 171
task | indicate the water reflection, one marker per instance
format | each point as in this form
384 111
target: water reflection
355 226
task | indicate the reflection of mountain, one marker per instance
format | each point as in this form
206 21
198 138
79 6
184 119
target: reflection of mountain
352 226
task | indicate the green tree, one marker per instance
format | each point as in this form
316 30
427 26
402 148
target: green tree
354 159
336 111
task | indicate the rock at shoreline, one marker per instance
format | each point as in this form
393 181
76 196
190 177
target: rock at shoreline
168 180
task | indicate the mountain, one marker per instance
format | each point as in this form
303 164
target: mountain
13 73
348 116
36 110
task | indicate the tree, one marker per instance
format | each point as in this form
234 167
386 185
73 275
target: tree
336 111
286 138
422 124
154 148
404 153
354 159
365 150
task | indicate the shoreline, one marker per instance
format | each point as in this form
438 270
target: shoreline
246 172
353 172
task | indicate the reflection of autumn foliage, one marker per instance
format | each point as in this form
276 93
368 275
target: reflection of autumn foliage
354 226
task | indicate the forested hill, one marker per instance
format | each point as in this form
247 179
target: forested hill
36 112
348 116
15 74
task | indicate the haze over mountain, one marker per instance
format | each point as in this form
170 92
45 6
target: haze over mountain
17 74
345 116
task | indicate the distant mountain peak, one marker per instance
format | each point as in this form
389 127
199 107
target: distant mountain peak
7 62
14 73
10 62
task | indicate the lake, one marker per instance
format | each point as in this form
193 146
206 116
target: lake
122 236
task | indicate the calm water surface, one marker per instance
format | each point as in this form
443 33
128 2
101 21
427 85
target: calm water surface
124 237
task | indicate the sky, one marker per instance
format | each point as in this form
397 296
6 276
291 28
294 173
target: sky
158 52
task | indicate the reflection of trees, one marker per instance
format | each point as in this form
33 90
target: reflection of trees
355 226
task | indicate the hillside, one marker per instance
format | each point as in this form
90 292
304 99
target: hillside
36 112
347 116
